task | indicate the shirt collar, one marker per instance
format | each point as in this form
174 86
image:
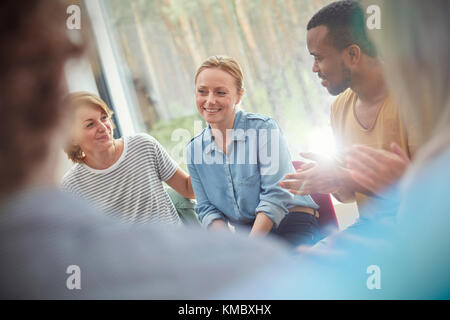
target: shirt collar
238 135
209 140
210 147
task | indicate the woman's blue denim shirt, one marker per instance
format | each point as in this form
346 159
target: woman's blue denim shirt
237 185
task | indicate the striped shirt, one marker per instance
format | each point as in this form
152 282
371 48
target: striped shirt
131 189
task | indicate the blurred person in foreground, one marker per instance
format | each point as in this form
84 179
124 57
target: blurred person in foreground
363 114
47 235
122 177
408 259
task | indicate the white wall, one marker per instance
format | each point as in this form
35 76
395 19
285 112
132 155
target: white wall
346 214
79 77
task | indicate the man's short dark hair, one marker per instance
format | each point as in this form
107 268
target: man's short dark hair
346 25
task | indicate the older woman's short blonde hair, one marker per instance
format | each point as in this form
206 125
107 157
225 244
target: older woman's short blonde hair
76 100
227 64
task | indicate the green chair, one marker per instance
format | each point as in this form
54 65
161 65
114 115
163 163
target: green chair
185 208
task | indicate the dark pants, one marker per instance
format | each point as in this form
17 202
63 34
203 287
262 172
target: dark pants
298 228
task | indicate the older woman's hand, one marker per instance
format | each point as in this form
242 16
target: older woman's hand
376 169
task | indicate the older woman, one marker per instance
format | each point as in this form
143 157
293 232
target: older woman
234 178
123 176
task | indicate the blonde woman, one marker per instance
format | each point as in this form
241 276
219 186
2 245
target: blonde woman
234 178
122 177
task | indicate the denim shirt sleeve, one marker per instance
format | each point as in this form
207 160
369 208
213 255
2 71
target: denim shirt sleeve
274 200
206 212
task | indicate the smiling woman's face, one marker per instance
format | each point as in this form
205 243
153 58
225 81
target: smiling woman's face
93 129
216 97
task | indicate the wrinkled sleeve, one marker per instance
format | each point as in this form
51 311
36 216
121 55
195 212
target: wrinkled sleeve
275 162
206 211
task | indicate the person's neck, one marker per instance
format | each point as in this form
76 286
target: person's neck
370 86
44 174
220 132
104 159
223 128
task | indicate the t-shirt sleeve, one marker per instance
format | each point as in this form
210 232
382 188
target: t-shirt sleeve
67 181
70 183
165 165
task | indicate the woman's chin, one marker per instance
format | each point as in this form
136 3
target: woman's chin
105 143
210 118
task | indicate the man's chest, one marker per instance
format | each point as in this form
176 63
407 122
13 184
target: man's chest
366 115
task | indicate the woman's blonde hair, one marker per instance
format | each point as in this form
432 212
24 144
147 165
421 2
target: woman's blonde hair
76 100
227 64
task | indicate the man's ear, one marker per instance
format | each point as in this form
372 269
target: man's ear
354 54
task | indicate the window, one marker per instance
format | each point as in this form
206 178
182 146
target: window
150 50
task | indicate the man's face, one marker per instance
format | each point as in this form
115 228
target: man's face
328 62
